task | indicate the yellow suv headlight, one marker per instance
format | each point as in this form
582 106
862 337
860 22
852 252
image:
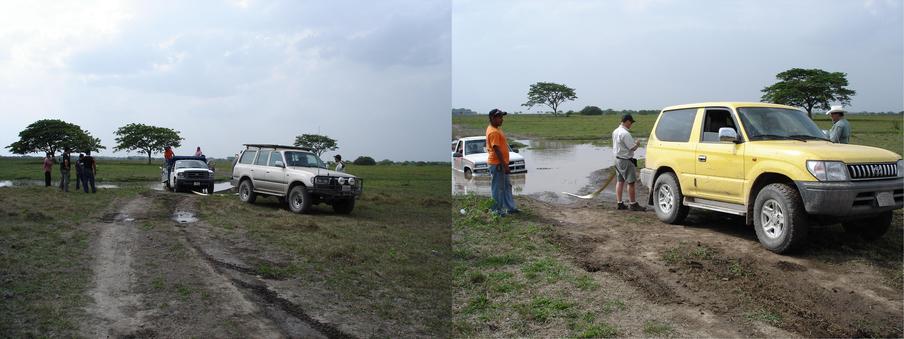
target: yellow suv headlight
827 170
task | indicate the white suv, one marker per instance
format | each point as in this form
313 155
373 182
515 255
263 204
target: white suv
295 175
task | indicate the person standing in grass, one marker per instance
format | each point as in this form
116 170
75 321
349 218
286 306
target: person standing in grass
88 172
64 171
48 165
623 145
79 171
498 161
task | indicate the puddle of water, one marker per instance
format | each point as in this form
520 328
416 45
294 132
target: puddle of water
106 186
6 183
552 167
218 187
183 217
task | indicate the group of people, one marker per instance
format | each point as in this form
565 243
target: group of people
623 146
85 171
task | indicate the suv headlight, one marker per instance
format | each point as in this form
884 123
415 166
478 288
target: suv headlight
351 181
900 168
180 174
827 170
321 180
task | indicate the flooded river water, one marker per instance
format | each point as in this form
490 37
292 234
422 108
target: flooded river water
552 168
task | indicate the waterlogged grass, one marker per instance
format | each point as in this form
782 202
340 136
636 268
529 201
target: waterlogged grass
45 261
390 257
510 279
108 170
883 131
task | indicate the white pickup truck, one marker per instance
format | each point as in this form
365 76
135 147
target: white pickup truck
469 156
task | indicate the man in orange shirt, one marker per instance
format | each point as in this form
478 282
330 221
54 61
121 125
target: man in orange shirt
498 161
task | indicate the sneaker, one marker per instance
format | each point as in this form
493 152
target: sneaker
621 206
636 207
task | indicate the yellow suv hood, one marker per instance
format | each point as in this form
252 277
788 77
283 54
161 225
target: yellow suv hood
820 150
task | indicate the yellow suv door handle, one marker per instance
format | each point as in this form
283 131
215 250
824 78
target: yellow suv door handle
701 158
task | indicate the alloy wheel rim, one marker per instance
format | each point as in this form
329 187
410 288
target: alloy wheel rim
773 219
665 198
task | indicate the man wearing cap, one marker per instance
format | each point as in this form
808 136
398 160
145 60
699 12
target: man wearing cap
841 129
498 161
623 145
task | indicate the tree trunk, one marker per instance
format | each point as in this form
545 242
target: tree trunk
149 157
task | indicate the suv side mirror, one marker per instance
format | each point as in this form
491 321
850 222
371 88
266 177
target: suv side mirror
728 134
456 155
279 163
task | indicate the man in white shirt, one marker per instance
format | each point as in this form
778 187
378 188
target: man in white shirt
623 145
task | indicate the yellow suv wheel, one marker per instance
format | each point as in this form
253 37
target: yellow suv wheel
779 218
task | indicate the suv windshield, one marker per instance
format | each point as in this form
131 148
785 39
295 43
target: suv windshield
763 123
190 164
476 146
303 159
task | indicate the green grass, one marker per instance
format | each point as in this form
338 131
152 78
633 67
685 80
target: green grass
30 168
657 329
390 257
765 316
45 263
511 279
883 131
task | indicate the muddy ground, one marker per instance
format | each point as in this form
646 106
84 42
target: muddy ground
161 272
712 272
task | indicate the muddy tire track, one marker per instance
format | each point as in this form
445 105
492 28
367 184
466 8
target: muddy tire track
733 277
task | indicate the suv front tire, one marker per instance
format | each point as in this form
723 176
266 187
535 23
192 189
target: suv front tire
779 218
299 199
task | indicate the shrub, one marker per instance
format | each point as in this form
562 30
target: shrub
365 161
591 110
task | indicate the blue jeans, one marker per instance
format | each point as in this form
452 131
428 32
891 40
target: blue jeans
501 187
88 178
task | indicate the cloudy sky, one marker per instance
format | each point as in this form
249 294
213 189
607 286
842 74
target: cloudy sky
648 54
375 75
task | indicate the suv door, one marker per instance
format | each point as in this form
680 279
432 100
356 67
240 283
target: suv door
719 169
258 172
276 176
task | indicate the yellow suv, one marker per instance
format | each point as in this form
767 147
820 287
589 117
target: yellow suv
771 164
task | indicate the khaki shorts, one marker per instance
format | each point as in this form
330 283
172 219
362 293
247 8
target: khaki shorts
625 171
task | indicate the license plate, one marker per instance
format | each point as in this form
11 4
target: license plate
196 183
346 188
885 199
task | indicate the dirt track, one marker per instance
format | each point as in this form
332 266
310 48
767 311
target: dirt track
158 277
713 269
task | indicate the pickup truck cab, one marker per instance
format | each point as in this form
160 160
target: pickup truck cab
469 156
771 164
187 173
294 175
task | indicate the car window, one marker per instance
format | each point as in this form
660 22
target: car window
713 121
190 164
274 157
476 146
248 157
262 158
676 125
303 159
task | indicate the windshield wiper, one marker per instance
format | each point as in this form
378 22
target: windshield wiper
809 137
777 137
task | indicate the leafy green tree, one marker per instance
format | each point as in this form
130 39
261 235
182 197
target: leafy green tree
591 110
549 94
316 143
364 161
51 135
809 88
147 139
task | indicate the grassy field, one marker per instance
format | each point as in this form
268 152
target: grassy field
883 131
44 257
29 168
511 280
390 257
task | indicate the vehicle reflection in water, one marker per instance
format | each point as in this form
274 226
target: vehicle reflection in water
218 187
552 166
